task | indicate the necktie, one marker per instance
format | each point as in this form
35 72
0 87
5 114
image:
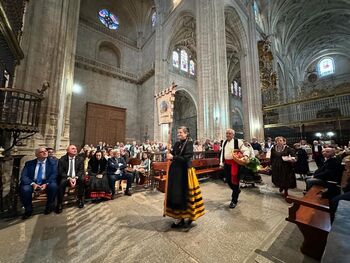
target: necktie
39 178
70 174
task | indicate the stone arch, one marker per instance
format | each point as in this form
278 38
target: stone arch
108 53
184 35
236 48
185 113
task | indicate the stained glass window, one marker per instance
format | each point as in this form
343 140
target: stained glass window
326 67
192 69
175 59
184 60
235 88
108 19
239 91
154 19
231 88
256 13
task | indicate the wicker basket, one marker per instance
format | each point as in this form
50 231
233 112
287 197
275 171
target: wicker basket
239 158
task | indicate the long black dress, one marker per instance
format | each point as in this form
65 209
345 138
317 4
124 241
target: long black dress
301 166
183 196
99 187
283 174
178 181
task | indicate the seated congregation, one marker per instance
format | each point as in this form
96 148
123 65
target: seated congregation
94 177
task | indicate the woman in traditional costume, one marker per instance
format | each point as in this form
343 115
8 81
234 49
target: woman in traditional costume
99 186
183 198
282 159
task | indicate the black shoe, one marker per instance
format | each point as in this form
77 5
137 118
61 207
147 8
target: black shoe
179 224
81 204
58 209
189 222
26 215
127 192
48 210
232 204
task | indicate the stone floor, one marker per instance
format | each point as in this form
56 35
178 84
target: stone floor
132 229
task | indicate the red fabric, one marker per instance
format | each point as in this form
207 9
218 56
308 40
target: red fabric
216 148
234 171
86 178
100 195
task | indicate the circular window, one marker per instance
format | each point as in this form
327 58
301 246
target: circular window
108 19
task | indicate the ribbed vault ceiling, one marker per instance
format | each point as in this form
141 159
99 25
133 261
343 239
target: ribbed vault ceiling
303 31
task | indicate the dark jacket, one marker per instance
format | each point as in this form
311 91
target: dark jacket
63 166
28 172
330 171
115 163
97 166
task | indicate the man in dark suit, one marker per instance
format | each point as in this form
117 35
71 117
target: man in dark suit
116 171
38 175
331 170
70 173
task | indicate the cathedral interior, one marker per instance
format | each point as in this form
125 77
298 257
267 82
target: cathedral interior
83 71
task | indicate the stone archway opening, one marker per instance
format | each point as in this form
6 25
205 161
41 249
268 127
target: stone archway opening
233 55
185 114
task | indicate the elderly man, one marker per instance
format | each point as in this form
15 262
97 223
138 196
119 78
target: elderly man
38 175
331 170
231 168
70 173
116 171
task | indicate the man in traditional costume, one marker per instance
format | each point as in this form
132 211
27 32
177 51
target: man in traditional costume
230 147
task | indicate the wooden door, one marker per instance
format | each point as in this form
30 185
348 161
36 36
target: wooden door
104 123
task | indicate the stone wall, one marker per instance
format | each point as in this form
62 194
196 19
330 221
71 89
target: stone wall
106 90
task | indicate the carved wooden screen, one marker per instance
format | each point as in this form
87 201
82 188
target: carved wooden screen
104 123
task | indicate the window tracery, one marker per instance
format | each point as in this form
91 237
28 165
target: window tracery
183 62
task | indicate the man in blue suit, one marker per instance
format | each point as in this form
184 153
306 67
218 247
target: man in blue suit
39 175
116 171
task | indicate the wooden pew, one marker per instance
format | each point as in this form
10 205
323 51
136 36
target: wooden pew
159 173
202 166
207 166
311 214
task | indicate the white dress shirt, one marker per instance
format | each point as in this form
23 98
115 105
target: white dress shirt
69 167
230 147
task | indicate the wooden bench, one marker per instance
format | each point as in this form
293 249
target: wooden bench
202 166
207 166
311 214
159 173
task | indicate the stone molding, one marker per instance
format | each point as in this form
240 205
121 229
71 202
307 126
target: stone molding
111 71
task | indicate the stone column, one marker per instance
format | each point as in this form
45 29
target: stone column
161 71
252 105
213 103
49 42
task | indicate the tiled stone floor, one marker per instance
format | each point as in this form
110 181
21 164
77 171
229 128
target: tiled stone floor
132 229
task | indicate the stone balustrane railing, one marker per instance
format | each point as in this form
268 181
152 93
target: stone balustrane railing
111 71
